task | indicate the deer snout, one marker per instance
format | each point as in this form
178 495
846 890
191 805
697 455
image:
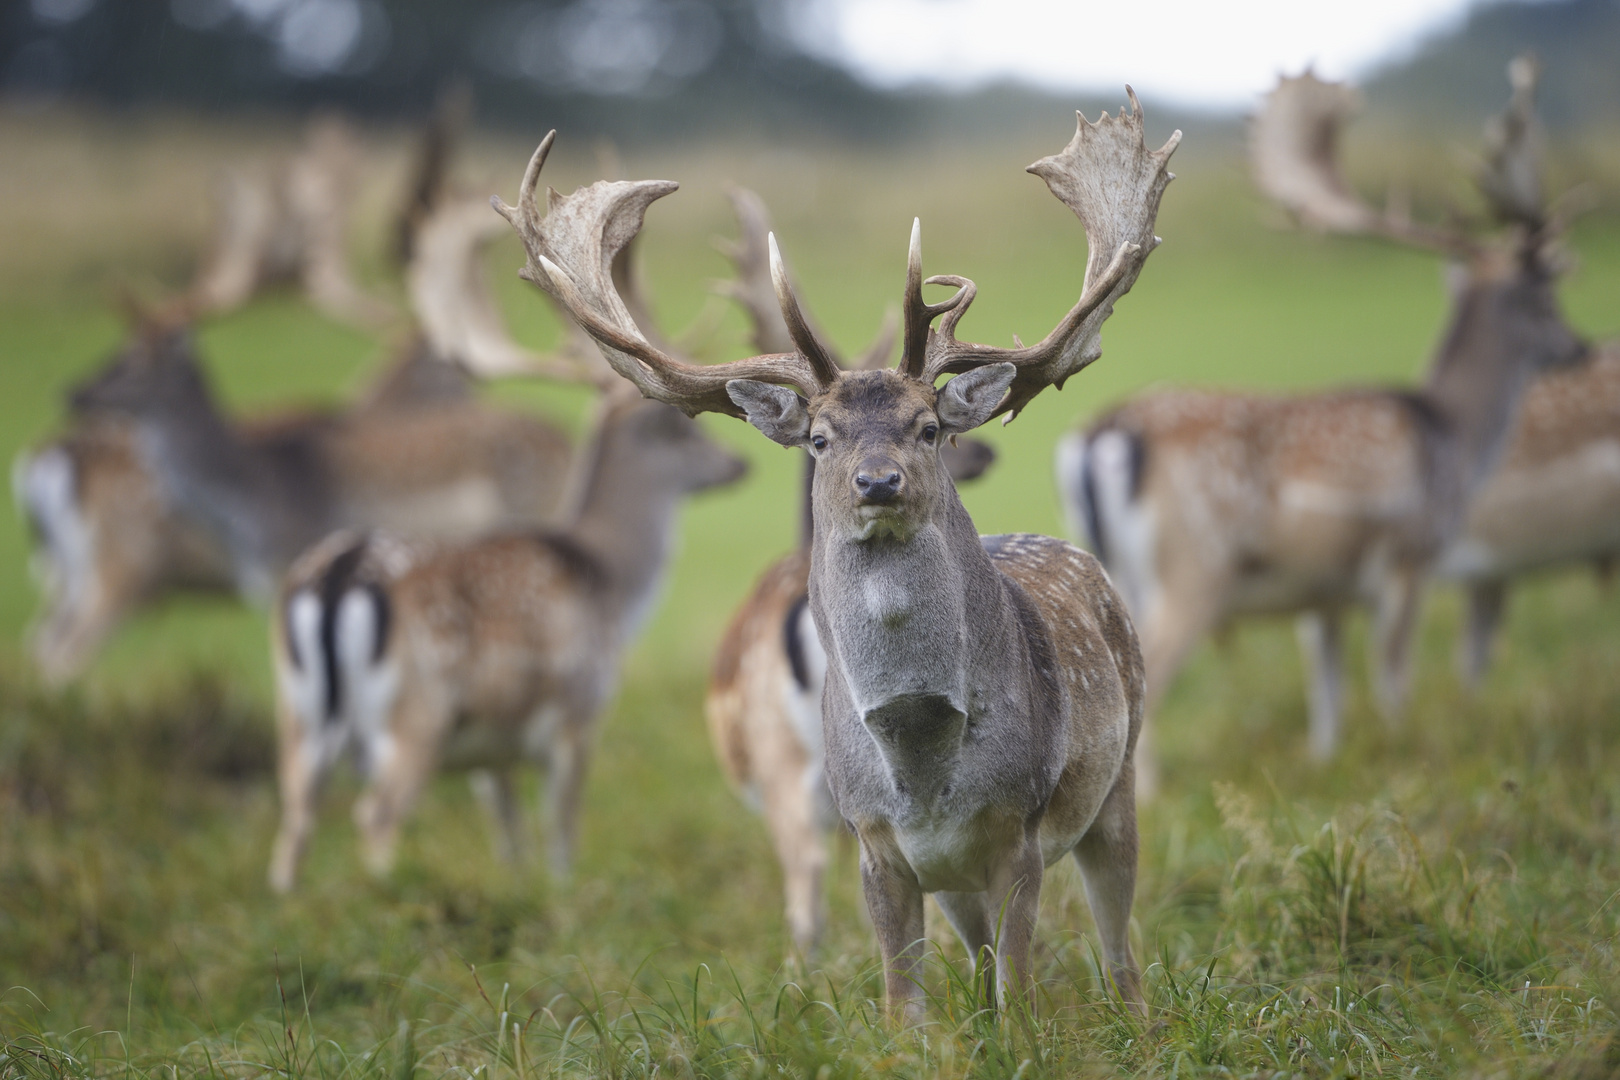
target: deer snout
877 481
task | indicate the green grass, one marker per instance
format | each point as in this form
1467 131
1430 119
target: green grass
1438 901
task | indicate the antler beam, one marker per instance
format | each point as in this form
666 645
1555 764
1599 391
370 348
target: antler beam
571 249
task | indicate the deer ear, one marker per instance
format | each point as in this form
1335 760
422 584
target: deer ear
969 399
776 410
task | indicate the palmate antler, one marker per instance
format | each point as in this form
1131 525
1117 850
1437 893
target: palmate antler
452 300
1106 175
1294 147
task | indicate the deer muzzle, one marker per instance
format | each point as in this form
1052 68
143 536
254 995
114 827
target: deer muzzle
878 482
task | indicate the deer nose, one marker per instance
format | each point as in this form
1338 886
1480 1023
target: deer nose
877 480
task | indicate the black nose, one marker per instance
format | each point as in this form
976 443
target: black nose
877 481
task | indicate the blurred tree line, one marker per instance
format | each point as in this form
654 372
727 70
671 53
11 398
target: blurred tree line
649 69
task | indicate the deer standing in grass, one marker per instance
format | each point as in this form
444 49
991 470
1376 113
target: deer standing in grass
982 696
1208 506
764 700
156 489
1554 500
481 654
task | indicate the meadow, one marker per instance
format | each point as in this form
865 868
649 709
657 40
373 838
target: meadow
1438 901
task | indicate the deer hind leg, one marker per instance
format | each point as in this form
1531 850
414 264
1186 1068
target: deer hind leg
300 768
1106 856
1168 633
790 814
1486 600
1399 599
1015 902
974 922
895 902
497 794
568 757
402 761
1321 645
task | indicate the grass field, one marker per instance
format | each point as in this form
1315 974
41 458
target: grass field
1438 901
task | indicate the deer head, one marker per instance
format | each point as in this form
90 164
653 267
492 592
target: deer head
1504 293
875 434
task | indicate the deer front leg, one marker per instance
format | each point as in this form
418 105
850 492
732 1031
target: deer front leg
1321 646
972 918
1485 602
1399 598
895 902
495 792
1106 856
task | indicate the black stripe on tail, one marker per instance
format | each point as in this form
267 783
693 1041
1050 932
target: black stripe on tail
335 581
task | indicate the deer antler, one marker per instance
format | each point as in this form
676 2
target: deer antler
570 256
1511 177
755 291
1113 183
452 300
1294 147
1106 175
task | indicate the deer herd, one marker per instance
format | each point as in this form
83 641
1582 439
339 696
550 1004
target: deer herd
454 584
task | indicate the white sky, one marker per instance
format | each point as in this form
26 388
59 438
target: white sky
1213 53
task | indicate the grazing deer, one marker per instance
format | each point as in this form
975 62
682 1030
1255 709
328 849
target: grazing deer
1554 499
764 699
1209 506
484 653
166 491
982 696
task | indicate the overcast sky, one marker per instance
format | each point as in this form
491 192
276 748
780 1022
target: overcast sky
1217 53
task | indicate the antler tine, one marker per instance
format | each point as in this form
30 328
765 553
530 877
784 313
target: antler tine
1294 148
570 256
453 302
918 314
822 362
1113 183
1511 177
752 287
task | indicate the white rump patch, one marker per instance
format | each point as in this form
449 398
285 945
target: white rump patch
305 684
1126 524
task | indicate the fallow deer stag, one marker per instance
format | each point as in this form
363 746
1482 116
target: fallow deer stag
155 489
1553 501
1209 506
480 654
764 699
982 696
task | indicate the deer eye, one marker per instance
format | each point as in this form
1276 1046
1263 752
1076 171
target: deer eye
930 433
819 442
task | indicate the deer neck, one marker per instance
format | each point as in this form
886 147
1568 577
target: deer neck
919 633
1475 386
625 522
213 478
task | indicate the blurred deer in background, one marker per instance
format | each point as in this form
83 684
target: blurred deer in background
1554 499
982 697
290 223
764 699
486 653
157 489
1208 506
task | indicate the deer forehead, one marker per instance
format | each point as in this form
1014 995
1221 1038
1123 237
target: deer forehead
866 405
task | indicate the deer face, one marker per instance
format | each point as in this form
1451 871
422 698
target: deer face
675 449
876 439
